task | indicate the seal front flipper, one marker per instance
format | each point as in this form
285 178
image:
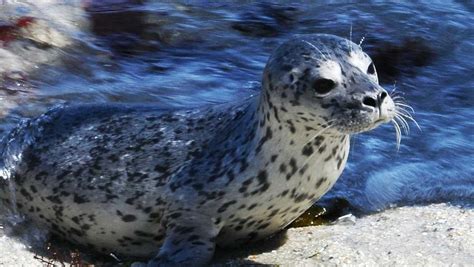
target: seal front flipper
189 241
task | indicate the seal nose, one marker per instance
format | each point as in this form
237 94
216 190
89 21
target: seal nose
382 96
372 102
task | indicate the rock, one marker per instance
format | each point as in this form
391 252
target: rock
347 219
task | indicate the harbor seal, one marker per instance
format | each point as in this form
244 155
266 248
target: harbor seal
171 184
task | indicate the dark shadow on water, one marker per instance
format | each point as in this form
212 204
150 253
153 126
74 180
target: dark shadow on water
267 20
400 59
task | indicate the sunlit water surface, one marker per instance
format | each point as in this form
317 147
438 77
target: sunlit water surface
184 54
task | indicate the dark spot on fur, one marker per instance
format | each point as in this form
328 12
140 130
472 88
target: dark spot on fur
129 218
307 150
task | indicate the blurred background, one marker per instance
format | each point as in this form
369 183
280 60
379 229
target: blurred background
192 53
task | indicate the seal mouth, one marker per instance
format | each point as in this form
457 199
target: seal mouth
357 122
380 121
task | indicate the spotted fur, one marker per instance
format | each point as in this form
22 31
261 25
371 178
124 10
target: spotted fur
146 182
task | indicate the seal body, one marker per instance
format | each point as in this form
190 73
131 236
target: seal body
143 182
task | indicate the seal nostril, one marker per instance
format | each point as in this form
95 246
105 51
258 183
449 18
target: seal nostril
383 95
369 101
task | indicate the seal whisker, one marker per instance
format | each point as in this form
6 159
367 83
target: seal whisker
395 93
405 110
350 38
398 133
403 123
404 105
398 97
408 116
315 48
392 93
404 113
361 41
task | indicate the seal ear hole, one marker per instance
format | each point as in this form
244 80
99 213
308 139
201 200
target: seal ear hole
323 86
371 69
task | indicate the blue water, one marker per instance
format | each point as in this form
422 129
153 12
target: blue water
188 54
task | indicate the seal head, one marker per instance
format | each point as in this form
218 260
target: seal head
334 78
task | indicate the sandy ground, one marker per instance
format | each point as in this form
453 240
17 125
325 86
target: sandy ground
434 235
14 253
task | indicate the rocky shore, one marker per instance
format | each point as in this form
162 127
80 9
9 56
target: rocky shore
433 235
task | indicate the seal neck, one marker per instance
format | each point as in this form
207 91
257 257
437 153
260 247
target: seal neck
293 153
284 130
286 148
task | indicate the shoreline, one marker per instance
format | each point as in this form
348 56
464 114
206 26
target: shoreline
435 235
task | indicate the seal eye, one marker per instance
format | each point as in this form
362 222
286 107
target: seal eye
371 69
323 86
